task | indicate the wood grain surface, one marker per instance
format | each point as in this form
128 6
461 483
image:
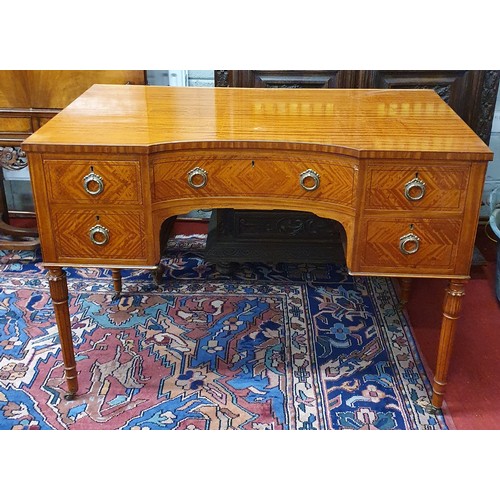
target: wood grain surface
359 122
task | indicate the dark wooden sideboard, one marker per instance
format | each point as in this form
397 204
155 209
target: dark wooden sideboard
286 237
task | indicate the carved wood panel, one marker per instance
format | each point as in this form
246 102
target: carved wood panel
286 79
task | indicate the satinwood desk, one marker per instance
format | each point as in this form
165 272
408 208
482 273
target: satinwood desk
398 169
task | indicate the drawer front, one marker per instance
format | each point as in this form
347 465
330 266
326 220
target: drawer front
89 181
412 246
233 176
417 187
82 234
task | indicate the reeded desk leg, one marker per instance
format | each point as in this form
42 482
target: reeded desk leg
59 294
117 282
451 310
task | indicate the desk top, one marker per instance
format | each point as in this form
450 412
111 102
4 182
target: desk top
357 122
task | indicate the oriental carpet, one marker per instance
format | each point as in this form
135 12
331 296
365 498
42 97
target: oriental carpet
268 347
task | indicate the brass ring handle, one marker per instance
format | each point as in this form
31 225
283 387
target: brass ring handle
409 244
197 172
99 235
415 189
91 178
306 177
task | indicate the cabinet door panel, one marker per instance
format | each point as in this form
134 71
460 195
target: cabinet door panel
287 79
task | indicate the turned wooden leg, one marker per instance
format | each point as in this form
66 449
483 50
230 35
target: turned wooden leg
158 274
59 294
404 291
117 281
451 310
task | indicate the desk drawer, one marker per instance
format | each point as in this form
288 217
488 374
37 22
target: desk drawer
112 234
403 245
417 187
313 178
92 181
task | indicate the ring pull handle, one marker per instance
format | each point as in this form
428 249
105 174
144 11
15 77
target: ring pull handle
309 180
99 235
409 244
93 184
415 189
197 178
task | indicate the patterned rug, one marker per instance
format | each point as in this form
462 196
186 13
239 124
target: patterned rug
268 347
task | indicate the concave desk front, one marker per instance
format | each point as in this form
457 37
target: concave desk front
399 170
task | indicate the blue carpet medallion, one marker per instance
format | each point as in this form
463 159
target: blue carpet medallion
269 347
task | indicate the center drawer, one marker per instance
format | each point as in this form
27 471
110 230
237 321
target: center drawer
316 179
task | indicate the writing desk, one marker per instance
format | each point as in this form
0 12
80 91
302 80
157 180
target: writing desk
398 169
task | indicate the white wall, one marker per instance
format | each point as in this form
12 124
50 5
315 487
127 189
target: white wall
181 77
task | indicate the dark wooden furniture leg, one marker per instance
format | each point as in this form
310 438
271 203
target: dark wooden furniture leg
451 310
165 230
59 294
117 282
404 291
